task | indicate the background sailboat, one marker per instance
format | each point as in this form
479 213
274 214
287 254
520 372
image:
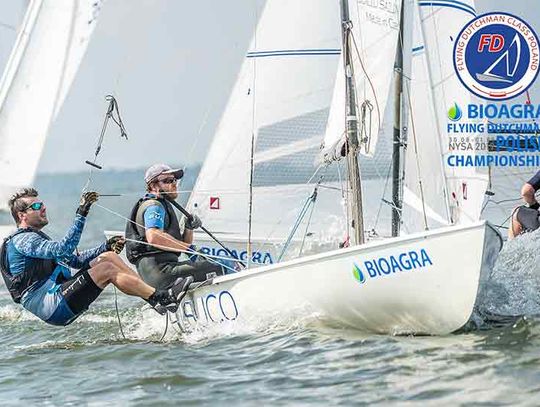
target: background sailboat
50 45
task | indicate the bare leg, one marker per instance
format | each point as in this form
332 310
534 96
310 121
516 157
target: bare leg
112 258
515 228
527 193
104 272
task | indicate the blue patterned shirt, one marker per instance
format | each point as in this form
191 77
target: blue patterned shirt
25 246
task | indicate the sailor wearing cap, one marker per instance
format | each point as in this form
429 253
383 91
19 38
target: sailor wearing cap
155 241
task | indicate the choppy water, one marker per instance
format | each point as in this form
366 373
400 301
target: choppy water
304 361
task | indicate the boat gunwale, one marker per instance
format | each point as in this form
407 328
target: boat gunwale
344 252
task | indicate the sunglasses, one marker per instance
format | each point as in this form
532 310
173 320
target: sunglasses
36 206
168 180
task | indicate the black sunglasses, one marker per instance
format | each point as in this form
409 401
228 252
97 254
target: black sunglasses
36 206
168 180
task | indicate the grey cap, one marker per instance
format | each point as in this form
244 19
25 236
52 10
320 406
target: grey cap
158 169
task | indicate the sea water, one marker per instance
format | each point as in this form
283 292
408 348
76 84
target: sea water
301 360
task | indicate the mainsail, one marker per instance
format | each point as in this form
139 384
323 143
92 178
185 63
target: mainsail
50 45
278 107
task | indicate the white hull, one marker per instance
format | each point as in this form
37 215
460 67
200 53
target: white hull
428 284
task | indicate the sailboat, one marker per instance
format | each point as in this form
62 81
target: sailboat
48 50
395 82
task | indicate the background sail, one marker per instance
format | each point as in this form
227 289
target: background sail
447 194
281 100
376 31
49 48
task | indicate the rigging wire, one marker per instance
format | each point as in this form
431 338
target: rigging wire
415 146
309 202
252 153
188 251
307 224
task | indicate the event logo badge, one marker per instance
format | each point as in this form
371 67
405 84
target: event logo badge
496 56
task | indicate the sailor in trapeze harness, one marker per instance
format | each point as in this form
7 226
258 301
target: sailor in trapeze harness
525 218
37 272
156 245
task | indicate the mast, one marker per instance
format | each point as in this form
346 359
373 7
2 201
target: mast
397 144
351 126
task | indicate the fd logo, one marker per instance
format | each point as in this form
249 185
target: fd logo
214 202
496 56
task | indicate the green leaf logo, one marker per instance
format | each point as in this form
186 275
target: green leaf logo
454 113
357 273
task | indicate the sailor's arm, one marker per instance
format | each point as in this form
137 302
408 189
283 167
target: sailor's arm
154 225
191 223
34 245
529 189
187 237
527 193
83 259
162 240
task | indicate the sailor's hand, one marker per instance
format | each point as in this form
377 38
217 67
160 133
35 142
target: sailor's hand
87 199
194 222
116 244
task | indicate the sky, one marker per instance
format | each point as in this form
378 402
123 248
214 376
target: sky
171 65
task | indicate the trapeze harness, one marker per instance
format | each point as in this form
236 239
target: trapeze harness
35 271
135 230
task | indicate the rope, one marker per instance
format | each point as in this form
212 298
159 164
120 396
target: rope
118 313
368 78
166 327
111 109
171 239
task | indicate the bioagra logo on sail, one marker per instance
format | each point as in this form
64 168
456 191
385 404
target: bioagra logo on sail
496 56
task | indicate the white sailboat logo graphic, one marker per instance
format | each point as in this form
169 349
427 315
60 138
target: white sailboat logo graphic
503 61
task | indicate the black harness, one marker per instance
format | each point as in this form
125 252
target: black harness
135 230
34 271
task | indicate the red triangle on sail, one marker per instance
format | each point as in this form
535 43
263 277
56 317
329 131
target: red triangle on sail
214 202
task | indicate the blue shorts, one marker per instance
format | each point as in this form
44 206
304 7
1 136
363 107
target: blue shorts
61 304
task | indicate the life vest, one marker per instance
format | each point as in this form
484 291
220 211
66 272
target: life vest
136 232
35 269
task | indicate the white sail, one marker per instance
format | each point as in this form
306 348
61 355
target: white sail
280 102
375 31
435 193
49 48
